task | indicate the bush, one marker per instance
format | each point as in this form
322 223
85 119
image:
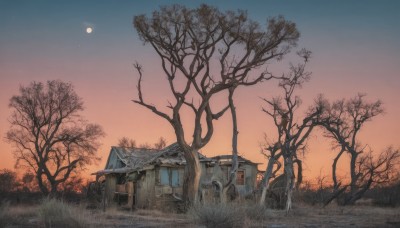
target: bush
218 215
313 196
385 196
256 212
55 213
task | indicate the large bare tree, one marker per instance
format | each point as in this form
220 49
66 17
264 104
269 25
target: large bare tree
205 52
292 135
343 121
49 136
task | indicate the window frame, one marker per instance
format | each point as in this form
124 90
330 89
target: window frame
169 177
243 179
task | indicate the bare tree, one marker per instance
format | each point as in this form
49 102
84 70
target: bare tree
272 152
125 142
50 138
8 180
162 143
74 184
187 41
28 182
292 134
343 121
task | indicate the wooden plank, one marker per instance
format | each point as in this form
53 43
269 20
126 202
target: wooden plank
131 194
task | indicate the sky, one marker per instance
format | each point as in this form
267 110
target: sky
355 46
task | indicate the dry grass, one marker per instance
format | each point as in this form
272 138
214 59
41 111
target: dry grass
231 215
55 213
335 216
5 216
117 217
218 215
257 212
15 216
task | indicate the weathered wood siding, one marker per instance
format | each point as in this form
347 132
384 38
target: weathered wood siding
131 194
220 173
111 183
250 178
113 161
168 182
145 189
159 188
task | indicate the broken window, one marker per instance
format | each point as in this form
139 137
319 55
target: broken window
240 177
169 176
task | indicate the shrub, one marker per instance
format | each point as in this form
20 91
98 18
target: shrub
256 212
386 196
55 213
218 215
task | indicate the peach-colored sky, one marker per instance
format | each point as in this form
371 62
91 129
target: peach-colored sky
355 49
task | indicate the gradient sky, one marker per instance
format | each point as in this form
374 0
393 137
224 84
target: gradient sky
355 45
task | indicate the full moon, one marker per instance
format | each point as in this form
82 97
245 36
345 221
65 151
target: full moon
89 30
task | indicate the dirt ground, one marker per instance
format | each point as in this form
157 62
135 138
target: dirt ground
357 216
306 216
301 216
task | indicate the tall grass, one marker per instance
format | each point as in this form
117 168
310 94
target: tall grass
256 212
218 215
55 213
15 216
5 217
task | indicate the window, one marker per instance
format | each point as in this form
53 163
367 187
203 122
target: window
240 177
164 176
169 176
174 178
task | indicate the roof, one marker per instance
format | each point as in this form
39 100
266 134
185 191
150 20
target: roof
136 159
227 159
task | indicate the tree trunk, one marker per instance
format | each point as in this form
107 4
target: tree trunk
334 165
53 191
235 163
265 181
289 183
359 194
299 173
41 185
354 177
192 177
336 192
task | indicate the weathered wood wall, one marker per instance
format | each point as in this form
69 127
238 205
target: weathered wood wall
145 189
150 192
111 183
113 161
250 179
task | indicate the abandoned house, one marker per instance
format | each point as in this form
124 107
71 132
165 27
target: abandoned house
149 178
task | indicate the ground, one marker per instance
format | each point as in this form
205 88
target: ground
301 216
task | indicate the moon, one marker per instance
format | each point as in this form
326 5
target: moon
89 30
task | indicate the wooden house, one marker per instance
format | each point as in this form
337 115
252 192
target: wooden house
149 178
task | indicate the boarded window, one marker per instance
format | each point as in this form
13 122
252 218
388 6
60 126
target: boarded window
240 177
169 176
